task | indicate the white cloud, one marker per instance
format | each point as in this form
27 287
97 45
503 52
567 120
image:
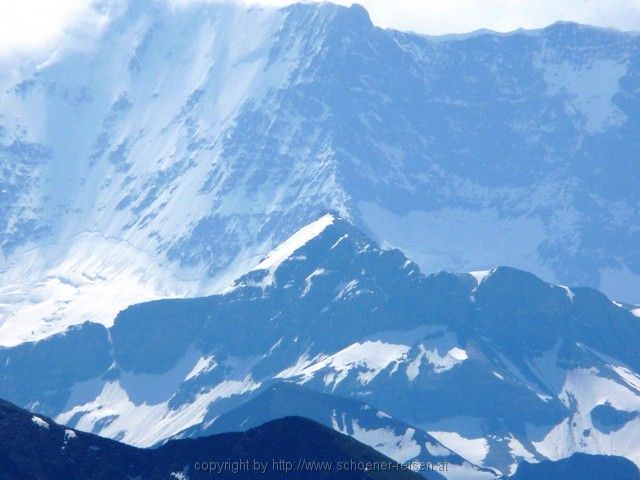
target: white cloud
37 24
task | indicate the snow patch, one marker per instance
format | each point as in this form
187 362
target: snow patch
480 275
582 391
439 363
143 424
204 365
520 453
401 448
308 282
588 88
570 294
473 449
346 290
293 243
40 422
437 450
339 241
368 359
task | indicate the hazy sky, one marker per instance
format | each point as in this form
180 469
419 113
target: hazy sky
28 24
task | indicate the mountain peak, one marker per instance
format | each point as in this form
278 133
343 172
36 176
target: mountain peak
354 16
329 243
295 242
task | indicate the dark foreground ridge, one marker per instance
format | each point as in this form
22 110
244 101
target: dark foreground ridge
35 447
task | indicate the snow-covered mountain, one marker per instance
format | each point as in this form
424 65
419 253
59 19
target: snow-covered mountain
496 366
170 154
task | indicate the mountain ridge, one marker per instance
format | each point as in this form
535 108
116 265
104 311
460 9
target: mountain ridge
149 185
339 315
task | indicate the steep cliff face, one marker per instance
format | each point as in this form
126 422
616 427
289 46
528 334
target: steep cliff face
185 143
